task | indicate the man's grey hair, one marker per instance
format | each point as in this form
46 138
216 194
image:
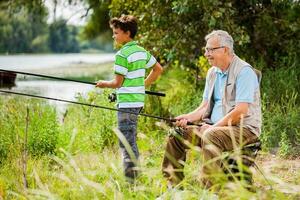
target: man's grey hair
224 38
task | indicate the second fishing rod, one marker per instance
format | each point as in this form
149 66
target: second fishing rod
93 105
72 80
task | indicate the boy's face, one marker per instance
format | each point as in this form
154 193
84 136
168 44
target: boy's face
120 36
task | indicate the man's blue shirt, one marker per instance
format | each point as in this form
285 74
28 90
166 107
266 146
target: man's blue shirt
246 84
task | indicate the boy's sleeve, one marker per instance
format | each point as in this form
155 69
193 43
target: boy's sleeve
120 66
151 61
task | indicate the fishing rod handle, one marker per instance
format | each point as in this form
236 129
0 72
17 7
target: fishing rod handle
155 93
188 123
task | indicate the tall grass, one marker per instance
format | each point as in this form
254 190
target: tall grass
43 127
90 127
281 113
99 176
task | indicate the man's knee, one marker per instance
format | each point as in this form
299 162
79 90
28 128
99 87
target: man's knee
174 144
211 143
209 136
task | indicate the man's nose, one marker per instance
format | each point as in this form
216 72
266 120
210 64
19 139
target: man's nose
206 53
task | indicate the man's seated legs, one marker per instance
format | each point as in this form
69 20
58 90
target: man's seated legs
217 140
175 154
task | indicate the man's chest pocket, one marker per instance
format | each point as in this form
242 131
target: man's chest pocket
230 91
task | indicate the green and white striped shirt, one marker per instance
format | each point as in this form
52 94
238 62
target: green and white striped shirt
131 61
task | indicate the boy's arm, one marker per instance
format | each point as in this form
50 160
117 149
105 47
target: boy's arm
154 74
115 83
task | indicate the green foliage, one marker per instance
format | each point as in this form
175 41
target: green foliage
175 30
43 130
62 39
286 79
281 114
100 176
20 25
88 128
102 42
99 19
23 29
182 96
281 125
42 126
40 43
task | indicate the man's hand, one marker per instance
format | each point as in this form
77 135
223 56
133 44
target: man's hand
182 120
205 127
196 115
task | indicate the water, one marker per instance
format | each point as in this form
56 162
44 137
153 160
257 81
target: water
54 62
46 61
55 89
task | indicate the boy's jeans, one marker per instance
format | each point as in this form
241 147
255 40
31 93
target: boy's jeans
127 124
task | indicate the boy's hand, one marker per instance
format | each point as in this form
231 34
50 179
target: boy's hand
100 84
115 83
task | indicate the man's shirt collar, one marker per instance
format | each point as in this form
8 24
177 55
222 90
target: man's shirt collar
219 71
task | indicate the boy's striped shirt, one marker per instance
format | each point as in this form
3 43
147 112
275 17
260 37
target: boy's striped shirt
131 61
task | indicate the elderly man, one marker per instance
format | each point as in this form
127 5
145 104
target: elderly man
230 108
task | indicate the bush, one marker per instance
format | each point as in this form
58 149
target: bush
281 126
88 128
42 131
281 113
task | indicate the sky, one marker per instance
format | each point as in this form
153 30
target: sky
66 11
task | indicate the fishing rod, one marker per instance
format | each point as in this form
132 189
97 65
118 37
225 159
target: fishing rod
72 80
93 105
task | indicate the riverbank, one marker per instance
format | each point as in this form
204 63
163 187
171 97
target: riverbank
78 71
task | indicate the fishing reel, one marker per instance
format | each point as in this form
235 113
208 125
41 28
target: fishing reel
112 97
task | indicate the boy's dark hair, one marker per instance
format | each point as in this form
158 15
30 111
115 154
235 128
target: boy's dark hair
125 23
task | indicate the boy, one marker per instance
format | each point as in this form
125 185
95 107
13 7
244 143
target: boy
131 61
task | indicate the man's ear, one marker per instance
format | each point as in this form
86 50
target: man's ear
227 50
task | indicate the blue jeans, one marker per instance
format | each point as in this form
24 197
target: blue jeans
127 124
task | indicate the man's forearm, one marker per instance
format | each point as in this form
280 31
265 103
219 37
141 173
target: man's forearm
234 117
231 118
198 113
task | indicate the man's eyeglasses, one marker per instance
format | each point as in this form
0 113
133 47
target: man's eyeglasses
211 50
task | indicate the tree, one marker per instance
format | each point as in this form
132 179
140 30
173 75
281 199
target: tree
21 24
98 23
263 30
61 39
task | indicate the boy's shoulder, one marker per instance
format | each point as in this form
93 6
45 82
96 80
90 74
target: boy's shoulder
127 50
120 53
